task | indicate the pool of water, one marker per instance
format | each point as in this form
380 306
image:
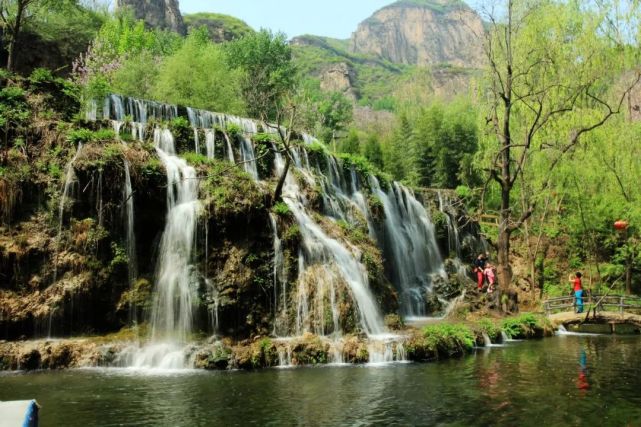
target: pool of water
568 380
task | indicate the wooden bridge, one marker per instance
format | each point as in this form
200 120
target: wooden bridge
600 309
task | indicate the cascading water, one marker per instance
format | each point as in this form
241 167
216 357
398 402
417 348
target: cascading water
210 143
319 249
70 179
410 242
280 281
128 203
329 269
176 280
248 157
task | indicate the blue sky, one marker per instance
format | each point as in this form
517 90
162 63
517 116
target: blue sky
332 18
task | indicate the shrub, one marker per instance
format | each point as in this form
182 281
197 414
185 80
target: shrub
281 209
448 339
195 159
521 326
490 328
83 136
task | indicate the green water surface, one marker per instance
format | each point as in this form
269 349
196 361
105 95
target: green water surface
564 381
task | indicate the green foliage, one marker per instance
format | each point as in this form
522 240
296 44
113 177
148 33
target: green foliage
490 328
292 234
448 339
263 138
230 190
281 209
152 168
14 110
59 95
234 130
351 144
444 138
136 77
270 75
120 257
373 151
198 75
521 326
334 112
83 136
112 153
219 27
124 57
195 159
434 5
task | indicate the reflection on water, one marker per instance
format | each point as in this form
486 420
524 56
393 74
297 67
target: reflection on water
582 383
528 383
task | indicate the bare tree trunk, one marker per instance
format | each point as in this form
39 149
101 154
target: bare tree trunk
281 180
504 270
15 33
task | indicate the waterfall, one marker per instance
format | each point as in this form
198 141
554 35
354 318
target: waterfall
248 157
176 279
210 143
280 281
487 342
230 151
409 241
331 272
140 111
453 239
128 203
70 178
318 249
128 198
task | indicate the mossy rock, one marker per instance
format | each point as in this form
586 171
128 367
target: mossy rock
29 360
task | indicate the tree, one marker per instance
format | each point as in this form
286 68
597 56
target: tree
14 15
270 74
351 144
269 86
549 62
197 75
335 112
373 152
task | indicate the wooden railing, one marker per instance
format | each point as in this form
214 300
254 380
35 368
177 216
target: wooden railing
612 303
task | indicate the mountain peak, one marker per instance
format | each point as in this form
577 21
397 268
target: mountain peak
423 32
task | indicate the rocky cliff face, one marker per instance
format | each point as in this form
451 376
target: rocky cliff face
339 77
423 32
163 14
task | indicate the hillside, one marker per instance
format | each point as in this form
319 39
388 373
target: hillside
375 82
221 27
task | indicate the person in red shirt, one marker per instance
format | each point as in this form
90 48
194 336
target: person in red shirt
578 291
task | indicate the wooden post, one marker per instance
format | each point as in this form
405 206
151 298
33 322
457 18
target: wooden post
621 304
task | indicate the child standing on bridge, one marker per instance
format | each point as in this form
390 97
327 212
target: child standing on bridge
578 291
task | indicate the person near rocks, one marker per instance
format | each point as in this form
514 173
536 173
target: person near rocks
490 277
479 269
578 291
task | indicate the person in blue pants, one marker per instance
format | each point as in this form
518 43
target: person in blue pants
578 291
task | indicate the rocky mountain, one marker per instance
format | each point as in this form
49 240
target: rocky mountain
156 13
423 32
